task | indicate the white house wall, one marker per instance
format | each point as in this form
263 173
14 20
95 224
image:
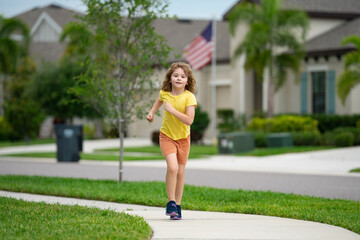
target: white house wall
45 33
355 100
288 100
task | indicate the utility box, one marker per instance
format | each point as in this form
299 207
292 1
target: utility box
279 140
69 142
236 142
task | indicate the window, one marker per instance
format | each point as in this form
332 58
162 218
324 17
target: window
318 92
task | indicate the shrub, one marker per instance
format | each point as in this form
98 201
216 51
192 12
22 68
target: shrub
260 139
201 122
306 138
229 122
344 139
329 138
89 131
358 124
355 132
330 122
284 123
5 129
155 137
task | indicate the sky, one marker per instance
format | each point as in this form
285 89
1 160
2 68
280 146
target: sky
187 9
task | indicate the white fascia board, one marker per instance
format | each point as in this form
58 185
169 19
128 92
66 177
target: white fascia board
221 82
317 68
44 16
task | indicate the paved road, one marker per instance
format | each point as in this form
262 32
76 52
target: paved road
329 186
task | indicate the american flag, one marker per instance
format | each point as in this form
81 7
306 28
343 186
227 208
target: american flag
199 52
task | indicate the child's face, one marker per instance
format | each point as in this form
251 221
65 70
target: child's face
179 79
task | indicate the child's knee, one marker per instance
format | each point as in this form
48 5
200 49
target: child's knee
173 169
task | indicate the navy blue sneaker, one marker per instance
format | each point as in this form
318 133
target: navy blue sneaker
171 209
178 216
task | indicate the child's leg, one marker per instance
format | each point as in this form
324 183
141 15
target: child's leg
180 184
171 175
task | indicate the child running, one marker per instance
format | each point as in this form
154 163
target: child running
177 95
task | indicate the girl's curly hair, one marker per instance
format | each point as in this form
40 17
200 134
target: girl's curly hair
166 85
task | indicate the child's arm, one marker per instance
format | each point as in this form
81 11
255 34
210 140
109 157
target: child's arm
187 118
156 106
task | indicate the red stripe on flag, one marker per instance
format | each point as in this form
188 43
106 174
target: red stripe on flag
198 52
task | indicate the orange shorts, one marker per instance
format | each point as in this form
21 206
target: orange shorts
181 147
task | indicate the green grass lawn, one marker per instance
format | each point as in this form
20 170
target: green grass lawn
356 170
30 220
86 156
342 213
261 152
25 143
154 153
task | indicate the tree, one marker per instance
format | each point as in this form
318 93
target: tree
351 75
79 40
21 112
126 50
11 50
270 29
50 87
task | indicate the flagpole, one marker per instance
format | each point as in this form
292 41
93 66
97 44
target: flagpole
213 77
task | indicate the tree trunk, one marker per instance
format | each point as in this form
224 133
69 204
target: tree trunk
1 95
271 95
121 136
98 129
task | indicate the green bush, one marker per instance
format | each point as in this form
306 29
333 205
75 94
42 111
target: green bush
201 122
329 138
354 131
89 131
260 139
5 129
344 139
284 123
358 124
331 122
306 138
229 122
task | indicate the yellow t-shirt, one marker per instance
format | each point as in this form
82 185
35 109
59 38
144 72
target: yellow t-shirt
172 126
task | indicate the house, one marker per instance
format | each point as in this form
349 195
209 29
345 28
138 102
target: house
330 22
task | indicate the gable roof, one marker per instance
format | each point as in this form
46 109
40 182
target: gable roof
181 32
326 8
178 33
330 42
59 14
345 9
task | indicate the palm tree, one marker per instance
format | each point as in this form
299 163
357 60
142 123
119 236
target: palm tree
10 49
270 29
78 39
351 75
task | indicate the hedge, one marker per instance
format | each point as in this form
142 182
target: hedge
284 123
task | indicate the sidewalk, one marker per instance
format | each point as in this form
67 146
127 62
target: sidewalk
210 225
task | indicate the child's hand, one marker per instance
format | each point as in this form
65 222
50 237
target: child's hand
168 107
150 117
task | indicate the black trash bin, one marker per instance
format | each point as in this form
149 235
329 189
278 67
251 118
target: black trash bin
69 142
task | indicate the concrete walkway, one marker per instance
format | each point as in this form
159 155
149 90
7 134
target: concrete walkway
210 225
